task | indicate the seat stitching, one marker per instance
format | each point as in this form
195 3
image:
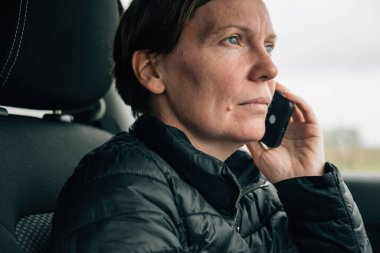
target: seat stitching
19 45
14 39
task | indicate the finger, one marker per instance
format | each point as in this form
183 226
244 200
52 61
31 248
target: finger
301 105
256 148
281 88
297 115
304 108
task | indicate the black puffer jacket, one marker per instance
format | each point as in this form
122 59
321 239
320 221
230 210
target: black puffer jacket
152 191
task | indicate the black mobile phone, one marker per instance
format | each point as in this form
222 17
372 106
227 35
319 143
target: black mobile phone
279 112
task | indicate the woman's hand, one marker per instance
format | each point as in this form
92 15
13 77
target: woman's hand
301 152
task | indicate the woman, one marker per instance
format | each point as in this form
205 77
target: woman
201 75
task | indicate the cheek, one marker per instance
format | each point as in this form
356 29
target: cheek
272 86
212 80
186 72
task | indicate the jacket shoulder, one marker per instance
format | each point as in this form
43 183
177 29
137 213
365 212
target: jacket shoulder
122 154
111 190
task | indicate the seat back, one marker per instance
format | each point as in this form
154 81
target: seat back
56 56
37 157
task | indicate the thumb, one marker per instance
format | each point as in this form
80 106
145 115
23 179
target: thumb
256 149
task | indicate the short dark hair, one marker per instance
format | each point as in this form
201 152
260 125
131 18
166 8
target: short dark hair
152 25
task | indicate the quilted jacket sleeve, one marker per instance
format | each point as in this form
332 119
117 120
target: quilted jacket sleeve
323 216
116 211
141 227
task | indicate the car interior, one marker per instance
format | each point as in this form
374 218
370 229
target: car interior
55 56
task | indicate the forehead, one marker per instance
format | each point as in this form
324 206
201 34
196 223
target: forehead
250 13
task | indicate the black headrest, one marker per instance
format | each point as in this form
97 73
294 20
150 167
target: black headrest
55 54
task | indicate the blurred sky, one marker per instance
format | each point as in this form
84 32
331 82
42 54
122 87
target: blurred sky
328 51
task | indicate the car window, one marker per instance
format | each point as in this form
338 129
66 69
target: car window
328 52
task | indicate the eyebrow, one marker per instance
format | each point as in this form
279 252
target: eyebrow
220 29
272 36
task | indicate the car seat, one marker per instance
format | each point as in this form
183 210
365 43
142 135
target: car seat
55 56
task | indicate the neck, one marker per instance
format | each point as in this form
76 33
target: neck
215 148
218 148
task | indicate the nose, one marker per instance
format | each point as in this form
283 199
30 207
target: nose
263 67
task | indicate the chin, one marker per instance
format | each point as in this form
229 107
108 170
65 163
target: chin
251 134
256 130
246 131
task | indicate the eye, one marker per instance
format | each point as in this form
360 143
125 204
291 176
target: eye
269 49
232 40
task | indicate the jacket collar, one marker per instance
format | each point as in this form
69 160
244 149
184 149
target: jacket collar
211 177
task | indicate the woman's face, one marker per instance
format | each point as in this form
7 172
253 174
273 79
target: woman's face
219 78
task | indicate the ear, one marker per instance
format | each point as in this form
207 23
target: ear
144 66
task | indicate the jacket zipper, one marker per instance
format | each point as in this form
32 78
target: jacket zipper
237 203
254 188
237 218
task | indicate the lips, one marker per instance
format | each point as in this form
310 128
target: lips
257 101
